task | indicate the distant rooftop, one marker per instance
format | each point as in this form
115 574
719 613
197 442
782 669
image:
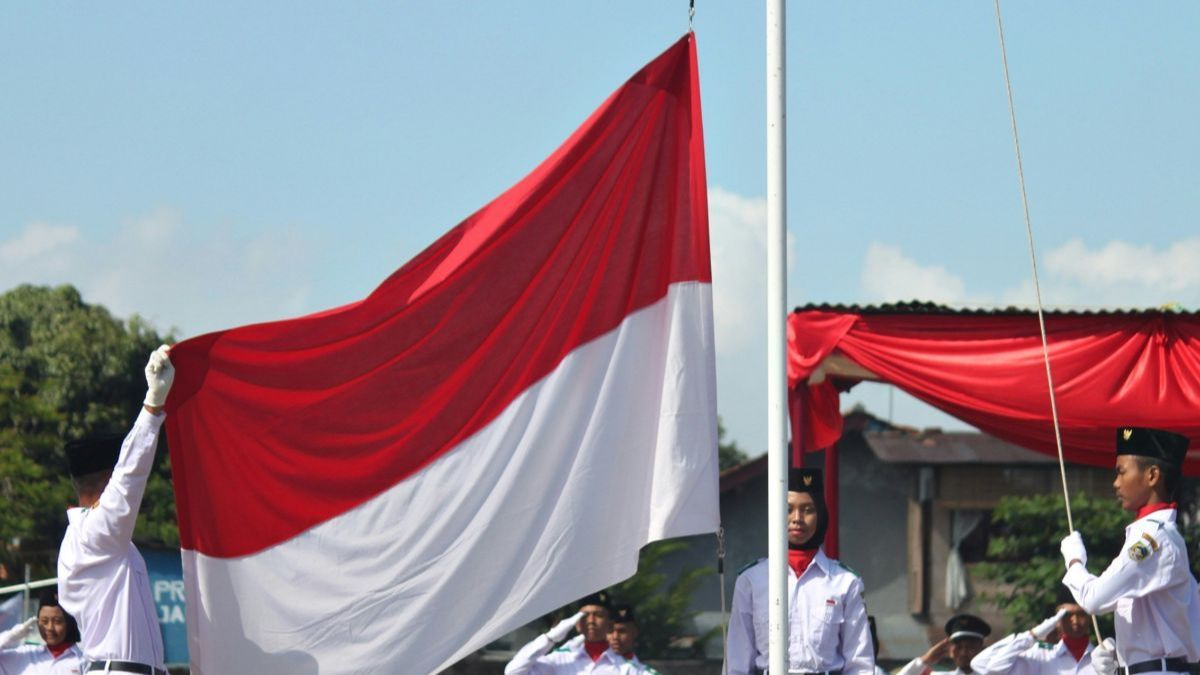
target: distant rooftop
895 444
919 307
932 446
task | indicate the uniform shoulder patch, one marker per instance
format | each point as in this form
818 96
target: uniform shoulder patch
748 565
849 569
1140 550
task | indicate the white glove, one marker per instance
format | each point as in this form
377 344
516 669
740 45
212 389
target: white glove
159 376
1104 658
13 637
564 628
1072 548
1045 628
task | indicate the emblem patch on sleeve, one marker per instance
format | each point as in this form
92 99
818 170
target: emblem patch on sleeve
1139 551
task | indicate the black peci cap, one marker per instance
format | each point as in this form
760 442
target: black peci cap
967 626
600 598
93 454
1165 446
623 614
805 480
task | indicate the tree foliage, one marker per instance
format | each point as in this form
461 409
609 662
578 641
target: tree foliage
728 452
662 609
69 369
1023 550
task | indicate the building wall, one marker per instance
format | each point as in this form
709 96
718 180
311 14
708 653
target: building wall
874 502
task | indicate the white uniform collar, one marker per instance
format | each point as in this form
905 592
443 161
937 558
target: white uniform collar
75 514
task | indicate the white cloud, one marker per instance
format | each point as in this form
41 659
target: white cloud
738 242
1171 270
737 237
192 276
889 275
35 241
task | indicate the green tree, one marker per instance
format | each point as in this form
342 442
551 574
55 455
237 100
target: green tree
663 610
1023 549
728 452
70 369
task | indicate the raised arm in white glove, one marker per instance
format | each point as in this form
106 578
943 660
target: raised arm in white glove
563 628
1104 658
14 636
1073 549
159 376
1045 628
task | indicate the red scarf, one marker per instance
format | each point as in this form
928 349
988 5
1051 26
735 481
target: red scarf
1151 508
595 649
62 647
1076 645
800 559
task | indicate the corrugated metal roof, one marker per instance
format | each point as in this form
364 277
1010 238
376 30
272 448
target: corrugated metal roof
920 307
955 447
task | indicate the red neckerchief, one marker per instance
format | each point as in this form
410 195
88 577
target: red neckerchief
595 649
1076 645
1151 508
62 647
800 559
630 656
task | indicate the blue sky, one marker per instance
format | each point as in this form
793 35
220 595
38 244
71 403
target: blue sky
212 165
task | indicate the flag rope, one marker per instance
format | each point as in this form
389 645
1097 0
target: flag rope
1037 288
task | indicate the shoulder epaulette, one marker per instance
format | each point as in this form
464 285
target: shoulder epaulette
563 648
749 565
1042 644
651 670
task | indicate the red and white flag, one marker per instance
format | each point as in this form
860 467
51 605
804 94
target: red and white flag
494 432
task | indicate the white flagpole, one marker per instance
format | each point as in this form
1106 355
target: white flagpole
777 419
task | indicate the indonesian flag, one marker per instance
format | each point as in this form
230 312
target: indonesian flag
494 432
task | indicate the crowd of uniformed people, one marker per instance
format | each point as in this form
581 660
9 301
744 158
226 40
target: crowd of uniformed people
1148 587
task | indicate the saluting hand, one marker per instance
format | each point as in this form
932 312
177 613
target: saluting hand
563 628
1045 628
14 636
937 652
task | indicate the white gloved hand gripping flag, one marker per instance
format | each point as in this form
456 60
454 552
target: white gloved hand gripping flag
494 432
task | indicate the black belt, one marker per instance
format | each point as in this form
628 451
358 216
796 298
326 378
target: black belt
115 666
1177 664
824 672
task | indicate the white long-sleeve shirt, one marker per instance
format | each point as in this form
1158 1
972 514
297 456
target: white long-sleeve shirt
540 658
102 579
38 660
1151 590
827 619
1020 654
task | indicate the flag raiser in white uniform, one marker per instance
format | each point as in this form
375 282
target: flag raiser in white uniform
102 579
1150 590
